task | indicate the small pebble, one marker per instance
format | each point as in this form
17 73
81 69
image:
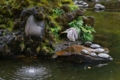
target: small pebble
84 51
94 46
103 55
99 50
93 54
89 67
88 43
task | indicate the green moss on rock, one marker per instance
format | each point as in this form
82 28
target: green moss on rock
55 13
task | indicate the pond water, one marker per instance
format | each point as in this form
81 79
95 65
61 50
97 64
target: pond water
107 34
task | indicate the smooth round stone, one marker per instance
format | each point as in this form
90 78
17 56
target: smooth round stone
95 46
93 54
84 51
99 50
103 55
88 43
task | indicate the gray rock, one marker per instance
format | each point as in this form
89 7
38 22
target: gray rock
84 51
103 55
2 47
99 50
88 43
99 7
93 54
94 46
81 4
34 28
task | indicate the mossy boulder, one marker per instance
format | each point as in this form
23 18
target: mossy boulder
13 19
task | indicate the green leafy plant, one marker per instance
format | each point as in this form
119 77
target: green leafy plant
84 31
55 31
87 33
58 11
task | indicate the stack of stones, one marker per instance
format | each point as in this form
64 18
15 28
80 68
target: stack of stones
96 51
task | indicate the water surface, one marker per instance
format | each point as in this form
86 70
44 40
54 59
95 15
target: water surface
107 34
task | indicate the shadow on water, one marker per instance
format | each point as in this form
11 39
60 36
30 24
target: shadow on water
107 28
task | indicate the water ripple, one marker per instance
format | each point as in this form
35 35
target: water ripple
31 73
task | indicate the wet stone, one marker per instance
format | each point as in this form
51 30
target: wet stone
84 51
1 32
99 50
103 55
88 43
93 54
94 46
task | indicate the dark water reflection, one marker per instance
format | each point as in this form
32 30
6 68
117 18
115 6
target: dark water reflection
34 69
49 70
107 26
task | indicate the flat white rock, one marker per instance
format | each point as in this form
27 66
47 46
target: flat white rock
99 50
93 54
95 46
84 51
103 55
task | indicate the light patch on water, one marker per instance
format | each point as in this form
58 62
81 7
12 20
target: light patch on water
32 70
101 65
30 73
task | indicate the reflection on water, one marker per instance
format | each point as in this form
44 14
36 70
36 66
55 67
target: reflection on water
30 73
100 65
107 26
